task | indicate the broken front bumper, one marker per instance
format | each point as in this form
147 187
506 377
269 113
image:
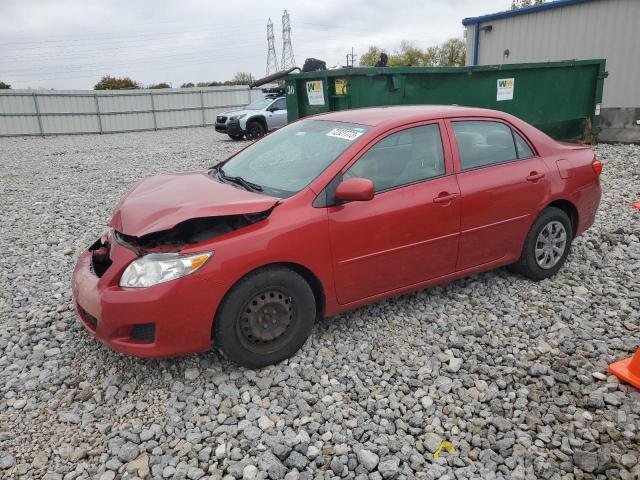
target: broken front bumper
165 320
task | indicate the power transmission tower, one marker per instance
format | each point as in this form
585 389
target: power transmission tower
287 50
272 60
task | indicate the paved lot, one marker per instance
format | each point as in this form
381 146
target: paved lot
512 373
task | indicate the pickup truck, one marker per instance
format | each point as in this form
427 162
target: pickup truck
255 120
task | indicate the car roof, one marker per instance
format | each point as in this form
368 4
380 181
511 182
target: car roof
401 114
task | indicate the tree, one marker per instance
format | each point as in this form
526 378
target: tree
410 54
516 4
112 83
431 56
371 56
160 85
452 53
4 86
187 85
242 78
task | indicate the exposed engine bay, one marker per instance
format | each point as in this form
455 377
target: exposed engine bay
189 232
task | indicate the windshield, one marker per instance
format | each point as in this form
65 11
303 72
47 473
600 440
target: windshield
259 104
287 160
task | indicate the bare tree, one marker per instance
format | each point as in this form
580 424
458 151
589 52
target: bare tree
243 78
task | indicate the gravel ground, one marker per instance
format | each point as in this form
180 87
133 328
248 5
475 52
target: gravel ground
512 373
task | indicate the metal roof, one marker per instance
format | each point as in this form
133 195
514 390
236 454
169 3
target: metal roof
522 11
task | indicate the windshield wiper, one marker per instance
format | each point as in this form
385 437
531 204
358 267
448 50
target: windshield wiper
239 181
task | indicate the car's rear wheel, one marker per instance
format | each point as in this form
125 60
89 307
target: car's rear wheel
265 318
547 245
255 130
237 136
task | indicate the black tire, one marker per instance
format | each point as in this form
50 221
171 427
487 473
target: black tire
255 130
530 264
246 318
237 136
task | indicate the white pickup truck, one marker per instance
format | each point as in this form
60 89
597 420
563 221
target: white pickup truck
254 120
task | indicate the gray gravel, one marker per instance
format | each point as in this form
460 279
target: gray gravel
512 373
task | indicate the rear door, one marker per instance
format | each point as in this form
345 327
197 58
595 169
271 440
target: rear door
503 186
408 232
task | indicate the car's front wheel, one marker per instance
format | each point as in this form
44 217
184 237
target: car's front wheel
547 245
265 318
255 130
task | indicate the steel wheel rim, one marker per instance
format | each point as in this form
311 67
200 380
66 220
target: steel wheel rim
255 131
266 319
550 245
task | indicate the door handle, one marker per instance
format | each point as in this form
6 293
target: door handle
534 176
445 197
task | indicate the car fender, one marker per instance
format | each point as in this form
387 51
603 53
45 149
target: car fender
261 118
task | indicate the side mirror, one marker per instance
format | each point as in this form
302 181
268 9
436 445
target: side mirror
355 190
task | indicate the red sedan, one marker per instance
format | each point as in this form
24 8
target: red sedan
324 215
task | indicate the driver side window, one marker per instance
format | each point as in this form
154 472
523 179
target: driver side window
280 104
402 158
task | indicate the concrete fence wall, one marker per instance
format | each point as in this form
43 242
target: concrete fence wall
59 112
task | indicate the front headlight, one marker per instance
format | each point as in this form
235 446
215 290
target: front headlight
161 267
238 117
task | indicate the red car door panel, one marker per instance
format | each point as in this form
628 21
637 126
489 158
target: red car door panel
408 232
399 238
500 193
498 205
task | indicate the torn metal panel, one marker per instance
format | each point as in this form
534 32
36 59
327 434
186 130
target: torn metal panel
189 232
162 202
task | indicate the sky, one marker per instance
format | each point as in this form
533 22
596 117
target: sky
71 44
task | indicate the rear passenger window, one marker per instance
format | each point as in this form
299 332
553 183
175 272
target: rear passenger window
402 158
524 151
483 143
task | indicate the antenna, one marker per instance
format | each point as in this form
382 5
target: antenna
287 50
272 60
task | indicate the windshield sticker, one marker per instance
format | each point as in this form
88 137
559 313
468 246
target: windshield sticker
345 133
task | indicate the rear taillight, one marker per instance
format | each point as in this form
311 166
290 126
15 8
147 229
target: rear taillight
597 166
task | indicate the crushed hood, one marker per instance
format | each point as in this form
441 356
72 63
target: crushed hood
161 202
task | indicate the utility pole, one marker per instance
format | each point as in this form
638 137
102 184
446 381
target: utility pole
351 56
287 50
272 60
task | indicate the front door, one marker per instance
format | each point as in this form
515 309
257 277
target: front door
277 114
408 232
503 184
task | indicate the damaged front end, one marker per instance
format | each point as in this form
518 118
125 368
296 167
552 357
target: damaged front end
189 232
100 255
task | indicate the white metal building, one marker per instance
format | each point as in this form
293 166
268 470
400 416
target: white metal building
571 30
58 112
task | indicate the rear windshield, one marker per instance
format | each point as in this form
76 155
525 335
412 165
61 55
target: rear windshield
287 160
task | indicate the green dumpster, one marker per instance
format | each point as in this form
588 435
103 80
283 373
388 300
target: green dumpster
560 98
